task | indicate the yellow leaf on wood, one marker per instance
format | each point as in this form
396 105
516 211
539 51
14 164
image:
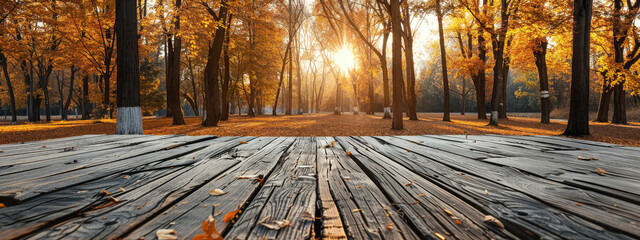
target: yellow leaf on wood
440 236
448 212
493 220
166 234
600 171
216 192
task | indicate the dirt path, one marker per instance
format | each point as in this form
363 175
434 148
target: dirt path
322 125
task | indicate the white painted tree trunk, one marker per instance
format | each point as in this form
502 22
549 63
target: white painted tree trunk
129 120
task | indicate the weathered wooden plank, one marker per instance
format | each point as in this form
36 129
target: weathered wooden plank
566 141
332 226
54 153
617 181
431 210
23 167
290 195
562 160
197 205
143 202
25 189
458 147
514 142
20 220
545 218
59 144
341 180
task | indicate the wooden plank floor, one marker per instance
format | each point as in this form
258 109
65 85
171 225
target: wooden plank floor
391 187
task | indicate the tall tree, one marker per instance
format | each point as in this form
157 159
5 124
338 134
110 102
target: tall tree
128 77
212 90
174 49
443 57
396 49
578 124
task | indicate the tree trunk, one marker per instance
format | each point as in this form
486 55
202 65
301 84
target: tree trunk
174 48
290 75
409 64
284 64
196 110
298 75
65 107
12 99
605 98
620 32
129 119
479 82
578 124
463 95
385 76
396 69
338 108
619 105
212 91
502 111
443 59
540 53
85 98
227 74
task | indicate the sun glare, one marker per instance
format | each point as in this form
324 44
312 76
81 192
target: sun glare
344 59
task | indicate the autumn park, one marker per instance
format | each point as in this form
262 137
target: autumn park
319 119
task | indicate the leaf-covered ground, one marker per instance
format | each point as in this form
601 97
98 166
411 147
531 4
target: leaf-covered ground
321 125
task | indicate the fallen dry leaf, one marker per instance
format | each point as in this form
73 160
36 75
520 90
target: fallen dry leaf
333 144
82 191
122 189
105 192
493 220
216 192
166 234
125 176
356 210
389 227
448 212
409 184
600 171
209 229
586 158
485 191
263 220
114 199
243 142
229 216
578 204
440 236
348 153
421 195
277 224
458 221
247 177
2 205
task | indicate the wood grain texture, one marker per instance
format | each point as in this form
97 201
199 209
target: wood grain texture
387 187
